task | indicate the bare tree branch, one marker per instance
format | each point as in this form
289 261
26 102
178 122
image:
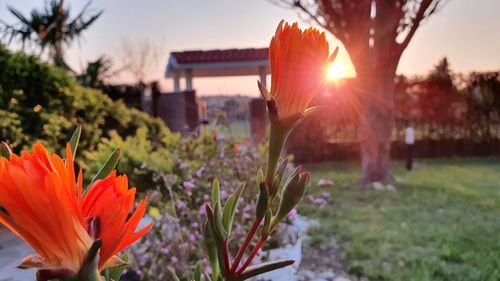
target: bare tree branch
365 24
426 9
140 58
415 23
298 4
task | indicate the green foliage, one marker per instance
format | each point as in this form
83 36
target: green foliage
96 73
10 127
39 102
48 103
115 273
440 224
230 208
108 167
140 160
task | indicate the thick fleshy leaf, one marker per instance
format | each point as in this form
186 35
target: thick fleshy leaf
263 201
219 225
293 191
215 191
210 215
5 150
115 273
260 177
173 275
212 223
230 208
275 187
207 277
75 139
197 272
278 178
211 247
258 269
107 168
227 213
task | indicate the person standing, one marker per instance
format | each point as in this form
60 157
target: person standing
410 143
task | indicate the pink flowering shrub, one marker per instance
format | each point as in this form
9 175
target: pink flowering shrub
319 200
178 199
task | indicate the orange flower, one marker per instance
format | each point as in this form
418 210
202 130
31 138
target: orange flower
39 192
46 208
110 200
299 63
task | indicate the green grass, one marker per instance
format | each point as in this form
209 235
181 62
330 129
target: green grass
238 129
442 223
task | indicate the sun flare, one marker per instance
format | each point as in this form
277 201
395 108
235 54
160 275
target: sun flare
336 71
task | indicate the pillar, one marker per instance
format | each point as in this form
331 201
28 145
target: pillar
172 110
258 120
192 115
189 80
177 84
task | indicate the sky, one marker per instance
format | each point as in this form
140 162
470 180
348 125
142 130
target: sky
465 31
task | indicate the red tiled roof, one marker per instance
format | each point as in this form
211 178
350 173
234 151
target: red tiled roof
230 55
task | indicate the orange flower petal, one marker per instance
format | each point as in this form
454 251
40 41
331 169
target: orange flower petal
46 208
38 190
299 61
111 200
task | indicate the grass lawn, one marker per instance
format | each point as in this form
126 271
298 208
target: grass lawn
442 223
237 129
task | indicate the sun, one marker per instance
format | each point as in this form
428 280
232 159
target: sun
336 71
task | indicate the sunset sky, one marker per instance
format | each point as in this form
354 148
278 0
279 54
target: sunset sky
465 31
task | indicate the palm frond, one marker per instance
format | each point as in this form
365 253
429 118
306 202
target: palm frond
51 25
78 25
18 15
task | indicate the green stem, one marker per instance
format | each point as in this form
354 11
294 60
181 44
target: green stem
277 138
89 270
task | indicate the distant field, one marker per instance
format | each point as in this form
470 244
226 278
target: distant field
237 130
442 223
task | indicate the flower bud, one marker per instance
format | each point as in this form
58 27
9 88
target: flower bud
266 227
218 224
293 190
211 221
211 246
277 179
263 201
298 60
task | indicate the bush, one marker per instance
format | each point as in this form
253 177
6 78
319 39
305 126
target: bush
41 102
177 206
144 164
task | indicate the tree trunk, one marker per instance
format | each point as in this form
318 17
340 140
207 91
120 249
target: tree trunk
377 121
488 126
58 55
